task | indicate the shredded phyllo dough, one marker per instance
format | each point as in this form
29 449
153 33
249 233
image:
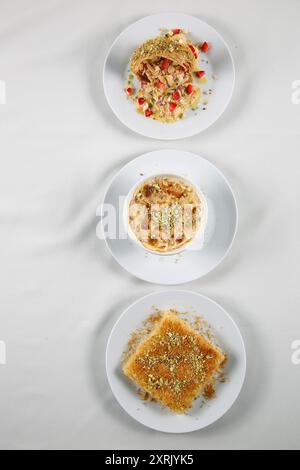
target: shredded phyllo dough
165 67
165 213
173 363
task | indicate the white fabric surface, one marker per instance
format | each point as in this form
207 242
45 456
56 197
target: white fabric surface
60 290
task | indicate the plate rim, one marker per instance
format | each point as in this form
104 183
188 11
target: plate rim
182 291
189 134
229 248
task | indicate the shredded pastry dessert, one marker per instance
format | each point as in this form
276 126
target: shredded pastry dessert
165 67
175 364
165 213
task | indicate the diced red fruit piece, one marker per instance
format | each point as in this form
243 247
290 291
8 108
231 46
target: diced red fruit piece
176 95
141 101
129 91
148 112
204 47
200 74
172 106
189 89
160 85
164 64
193 50
176 31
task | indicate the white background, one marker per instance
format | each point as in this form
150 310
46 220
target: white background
60 290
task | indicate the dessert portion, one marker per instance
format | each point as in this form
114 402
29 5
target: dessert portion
165 213
174 364
164 67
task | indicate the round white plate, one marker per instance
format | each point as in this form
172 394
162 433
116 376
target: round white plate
152 414
220 66
192 263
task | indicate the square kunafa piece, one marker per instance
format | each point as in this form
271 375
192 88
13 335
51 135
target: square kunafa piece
174 364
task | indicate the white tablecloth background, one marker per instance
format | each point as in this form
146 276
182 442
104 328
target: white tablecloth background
61 292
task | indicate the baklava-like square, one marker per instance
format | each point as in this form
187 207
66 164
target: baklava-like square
174 364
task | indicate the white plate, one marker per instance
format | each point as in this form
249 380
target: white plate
115 74
220 226
152 414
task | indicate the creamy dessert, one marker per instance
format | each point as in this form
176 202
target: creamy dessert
165 67
165 213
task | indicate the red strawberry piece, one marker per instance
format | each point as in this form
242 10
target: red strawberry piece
172 106
141 101
189 89
200 74
204 47
193 50
176 95
129 91
148 113
160 85
176 31
164 64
